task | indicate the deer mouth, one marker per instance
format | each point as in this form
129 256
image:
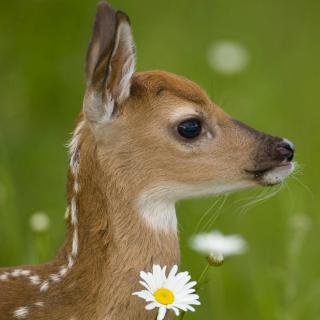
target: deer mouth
272 175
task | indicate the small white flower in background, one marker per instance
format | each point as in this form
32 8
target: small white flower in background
39 222
217 245
172 292
300 222
228 57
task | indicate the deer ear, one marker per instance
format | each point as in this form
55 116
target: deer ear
110 64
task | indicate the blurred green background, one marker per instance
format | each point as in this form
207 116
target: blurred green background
42 50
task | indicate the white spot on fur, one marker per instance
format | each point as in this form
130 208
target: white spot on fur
35 279
39 304
63 271
70 262
44 286
74 219
21 312
25 272
55 277
76 187
4 276
16 273
75 243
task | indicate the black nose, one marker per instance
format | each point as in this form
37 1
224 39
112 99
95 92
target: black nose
285 150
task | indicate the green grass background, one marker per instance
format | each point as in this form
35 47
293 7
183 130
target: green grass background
42 49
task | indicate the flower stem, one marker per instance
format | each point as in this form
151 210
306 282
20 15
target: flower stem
203 274
198 285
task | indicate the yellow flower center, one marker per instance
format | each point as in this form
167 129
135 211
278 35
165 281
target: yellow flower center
164 296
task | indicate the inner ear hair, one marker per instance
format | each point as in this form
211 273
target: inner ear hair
122 61
110 64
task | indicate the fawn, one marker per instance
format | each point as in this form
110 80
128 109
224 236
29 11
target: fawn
143 141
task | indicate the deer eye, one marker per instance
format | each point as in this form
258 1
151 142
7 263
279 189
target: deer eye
190 128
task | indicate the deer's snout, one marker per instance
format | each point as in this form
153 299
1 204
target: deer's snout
273 160
285 150
272 150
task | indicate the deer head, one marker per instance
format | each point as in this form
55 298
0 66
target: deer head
162 135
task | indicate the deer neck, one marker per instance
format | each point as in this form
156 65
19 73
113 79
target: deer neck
109 241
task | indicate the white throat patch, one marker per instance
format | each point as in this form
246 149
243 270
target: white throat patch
158 213
157 205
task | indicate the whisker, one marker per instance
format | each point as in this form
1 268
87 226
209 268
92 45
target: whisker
307 188
214 203
216 214
260 199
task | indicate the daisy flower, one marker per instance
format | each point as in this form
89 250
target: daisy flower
217 245
172 292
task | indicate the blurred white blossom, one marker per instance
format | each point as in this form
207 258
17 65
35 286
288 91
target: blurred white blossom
217 245
300 222
39 222
228 57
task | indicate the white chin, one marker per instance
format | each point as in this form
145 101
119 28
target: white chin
278 174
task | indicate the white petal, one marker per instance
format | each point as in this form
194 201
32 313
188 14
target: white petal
144 294
180 306
190 284
192 297
191 308
172 283
145 285
158 276
172 272
149 279
183 296
176 310
188 302
184 307
152 305
162 313
178 282
183 292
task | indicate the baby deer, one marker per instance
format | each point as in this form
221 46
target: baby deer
143 141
